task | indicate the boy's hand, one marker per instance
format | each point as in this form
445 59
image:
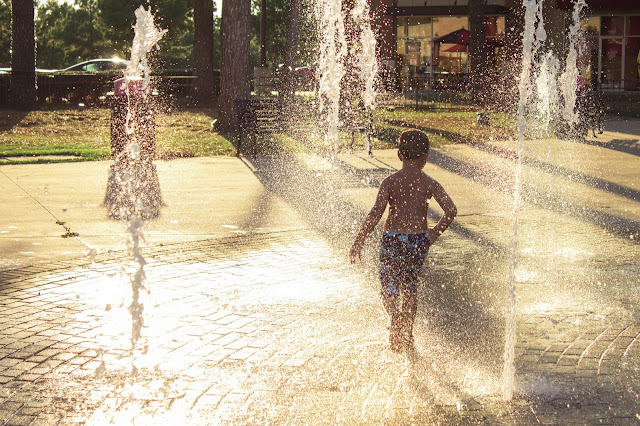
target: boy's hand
354 253
433 236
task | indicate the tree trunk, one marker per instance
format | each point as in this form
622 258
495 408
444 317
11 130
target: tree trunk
234 66
477 51
203 51
22 86
287 81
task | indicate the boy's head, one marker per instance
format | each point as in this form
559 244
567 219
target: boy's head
413 144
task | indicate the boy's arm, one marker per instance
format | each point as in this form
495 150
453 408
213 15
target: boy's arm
371 221
448 207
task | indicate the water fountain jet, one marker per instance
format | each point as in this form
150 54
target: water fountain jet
133 189
534 36
347 67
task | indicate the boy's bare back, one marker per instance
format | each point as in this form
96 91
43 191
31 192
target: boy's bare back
408 193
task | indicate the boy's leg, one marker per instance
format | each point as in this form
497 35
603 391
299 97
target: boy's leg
417 253
390 303
409 309
390 290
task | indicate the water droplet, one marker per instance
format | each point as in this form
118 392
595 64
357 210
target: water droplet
100 370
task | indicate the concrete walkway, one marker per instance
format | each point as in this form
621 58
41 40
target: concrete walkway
253 314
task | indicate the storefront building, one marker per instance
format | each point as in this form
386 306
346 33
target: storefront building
428 40
611 54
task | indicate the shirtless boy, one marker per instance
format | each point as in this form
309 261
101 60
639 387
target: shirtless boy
407 237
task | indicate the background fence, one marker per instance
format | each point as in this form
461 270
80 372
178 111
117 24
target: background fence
73 88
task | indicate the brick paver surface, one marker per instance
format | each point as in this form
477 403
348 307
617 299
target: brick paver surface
277 327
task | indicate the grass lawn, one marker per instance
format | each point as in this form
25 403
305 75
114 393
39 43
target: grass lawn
83 134
74 134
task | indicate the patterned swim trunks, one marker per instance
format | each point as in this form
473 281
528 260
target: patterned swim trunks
401 259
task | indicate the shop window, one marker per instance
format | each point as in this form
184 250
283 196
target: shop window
611 62
591 25
494 29
448 24
633 25
491 26
421 3
401 47
632 63
612 25
588 55
419 27
401 27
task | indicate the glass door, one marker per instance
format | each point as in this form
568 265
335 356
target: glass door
611 54
632 53
611 62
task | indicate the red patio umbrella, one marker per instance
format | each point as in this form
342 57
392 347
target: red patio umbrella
456 48
460 36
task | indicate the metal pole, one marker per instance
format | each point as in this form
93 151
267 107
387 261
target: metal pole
263 34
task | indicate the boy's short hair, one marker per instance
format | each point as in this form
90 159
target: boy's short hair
413 144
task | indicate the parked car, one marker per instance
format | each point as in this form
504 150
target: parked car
305 76
91 66
38 70
306 72
97 65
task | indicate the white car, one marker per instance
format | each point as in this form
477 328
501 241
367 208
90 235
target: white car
40 70
97 65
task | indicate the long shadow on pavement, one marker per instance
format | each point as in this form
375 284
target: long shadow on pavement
575 176
628 146
540 198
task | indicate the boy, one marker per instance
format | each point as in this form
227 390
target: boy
406 238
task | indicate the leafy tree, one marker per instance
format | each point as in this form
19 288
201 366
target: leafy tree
277 24
90 30
277 11
307 34
67 34
5 33
118 17
52 30
175 48
216 37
